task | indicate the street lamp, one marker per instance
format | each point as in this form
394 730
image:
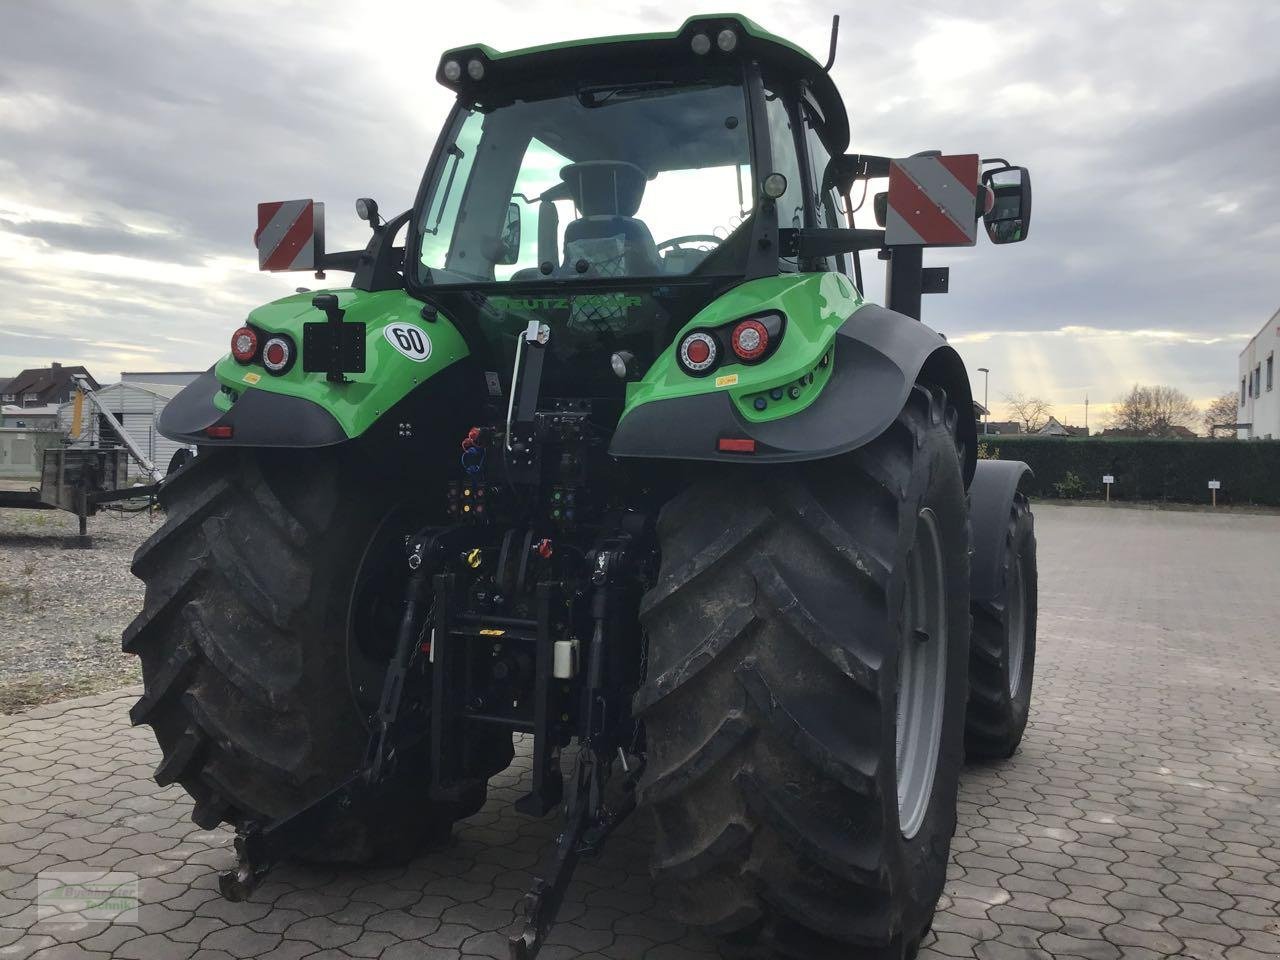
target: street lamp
986 377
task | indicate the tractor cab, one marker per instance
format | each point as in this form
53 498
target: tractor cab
612 191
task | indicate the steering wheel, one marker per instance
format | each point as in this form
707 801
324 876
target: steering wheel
690 238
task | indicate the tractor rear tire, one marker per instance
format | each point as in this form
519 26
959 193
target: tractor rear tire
1002 647
244 642
790 606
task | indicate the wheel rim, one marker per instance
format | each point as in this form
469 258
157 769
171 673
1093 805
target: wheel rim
922 663
1016 626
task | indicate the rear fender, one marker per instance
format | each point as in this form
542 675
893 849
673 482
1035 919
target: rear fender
995 483
877 356
301 409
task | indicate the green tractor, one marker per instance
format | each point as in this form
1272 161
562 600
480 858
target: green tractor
608 452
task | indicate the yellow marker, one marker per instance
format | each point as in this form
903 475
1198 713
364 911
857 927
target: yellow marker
728 380
252 377
491 632
77 412
474 559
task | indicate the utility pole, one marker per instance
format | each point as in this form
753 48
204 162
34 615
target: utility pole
1086 414
986 416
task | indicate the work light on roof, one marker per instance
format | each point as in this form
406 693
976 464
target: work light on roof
727 40
452 71
701 44
475 70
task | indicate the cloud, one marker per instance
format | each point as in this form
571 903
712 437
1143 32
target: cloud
102 235
138 138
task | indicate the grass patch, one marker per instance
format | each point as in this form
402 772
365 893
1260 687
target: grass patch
25 692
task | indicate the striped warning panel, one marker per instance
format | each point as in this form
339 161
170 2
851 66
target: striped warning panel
288 234
933 201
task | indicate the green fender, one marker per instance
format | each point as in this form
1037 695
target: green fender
839 378
297 409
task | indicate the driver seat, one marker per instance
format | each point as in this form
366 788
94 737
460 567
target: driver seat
608 236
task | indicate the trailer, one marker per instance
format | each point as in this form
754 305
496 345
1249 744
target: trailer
84 479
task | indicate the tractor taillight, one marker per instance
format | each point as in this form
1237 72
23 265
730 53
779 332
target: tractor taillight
277 354
698 353
219 431
244 344
750 339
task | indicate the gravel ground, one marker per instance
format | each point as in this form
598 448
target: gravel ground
62 610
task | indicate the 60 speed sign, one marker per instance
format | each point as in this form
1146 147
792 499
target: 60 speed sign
408 340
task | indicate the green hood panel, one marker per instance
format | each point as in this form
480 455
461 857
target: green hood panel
388 376
815 306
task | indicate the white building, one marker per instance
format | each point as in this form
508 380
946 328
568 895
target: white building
1259 394
136 406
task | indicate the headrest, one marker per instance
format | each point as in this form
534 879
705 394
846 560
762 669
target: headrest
604 188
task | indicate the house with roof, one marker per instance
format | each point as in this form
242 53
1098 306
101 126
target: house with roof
1055 428
44 386
1003 427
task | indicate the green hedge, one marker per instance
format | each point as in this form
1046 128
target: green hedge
1178 470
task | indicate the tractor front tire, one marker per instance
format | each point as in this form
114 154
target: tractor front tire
805 619
244 642
1003 646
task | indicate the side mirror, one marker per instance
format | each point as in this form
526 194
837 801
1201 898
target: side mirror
509 241
1009 218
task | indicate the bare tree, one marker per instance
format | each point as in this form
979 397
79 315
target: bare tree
1032 412
1154 411
1222 412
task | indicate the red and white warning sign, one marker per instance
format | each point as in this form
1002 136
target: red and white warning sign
289 234
933 201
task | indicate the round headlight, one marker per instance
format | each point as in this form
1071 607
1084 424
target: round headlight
624 364
244 344
698 353
775 185
277 354
727 40
367 209
475 70
452 71
750 339
701 43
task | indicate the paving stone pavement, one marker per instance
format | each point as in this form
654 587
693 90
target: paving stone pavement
1141 819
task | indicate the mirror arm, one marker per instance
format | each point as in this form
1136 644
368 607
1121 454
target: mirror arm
844 171
340 260
826 242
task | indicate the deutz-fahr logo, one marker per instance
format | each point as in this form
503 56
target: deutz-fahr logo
589 301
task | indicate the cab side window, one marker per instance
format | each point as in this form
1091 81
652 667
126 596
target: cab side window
825 206
783 146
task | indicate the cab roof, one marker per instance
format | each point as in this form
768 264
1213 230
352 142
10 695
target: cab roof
505 72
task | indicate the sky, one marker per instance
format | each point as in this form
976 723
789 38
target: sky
136 139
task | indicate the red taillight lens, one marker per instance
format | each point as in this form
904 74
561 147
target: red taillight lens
736 445
220 432
277 354
244 344
698 352
750 339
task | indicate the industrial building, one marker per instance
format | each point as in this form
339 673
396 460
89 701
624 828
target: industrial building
1259 414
